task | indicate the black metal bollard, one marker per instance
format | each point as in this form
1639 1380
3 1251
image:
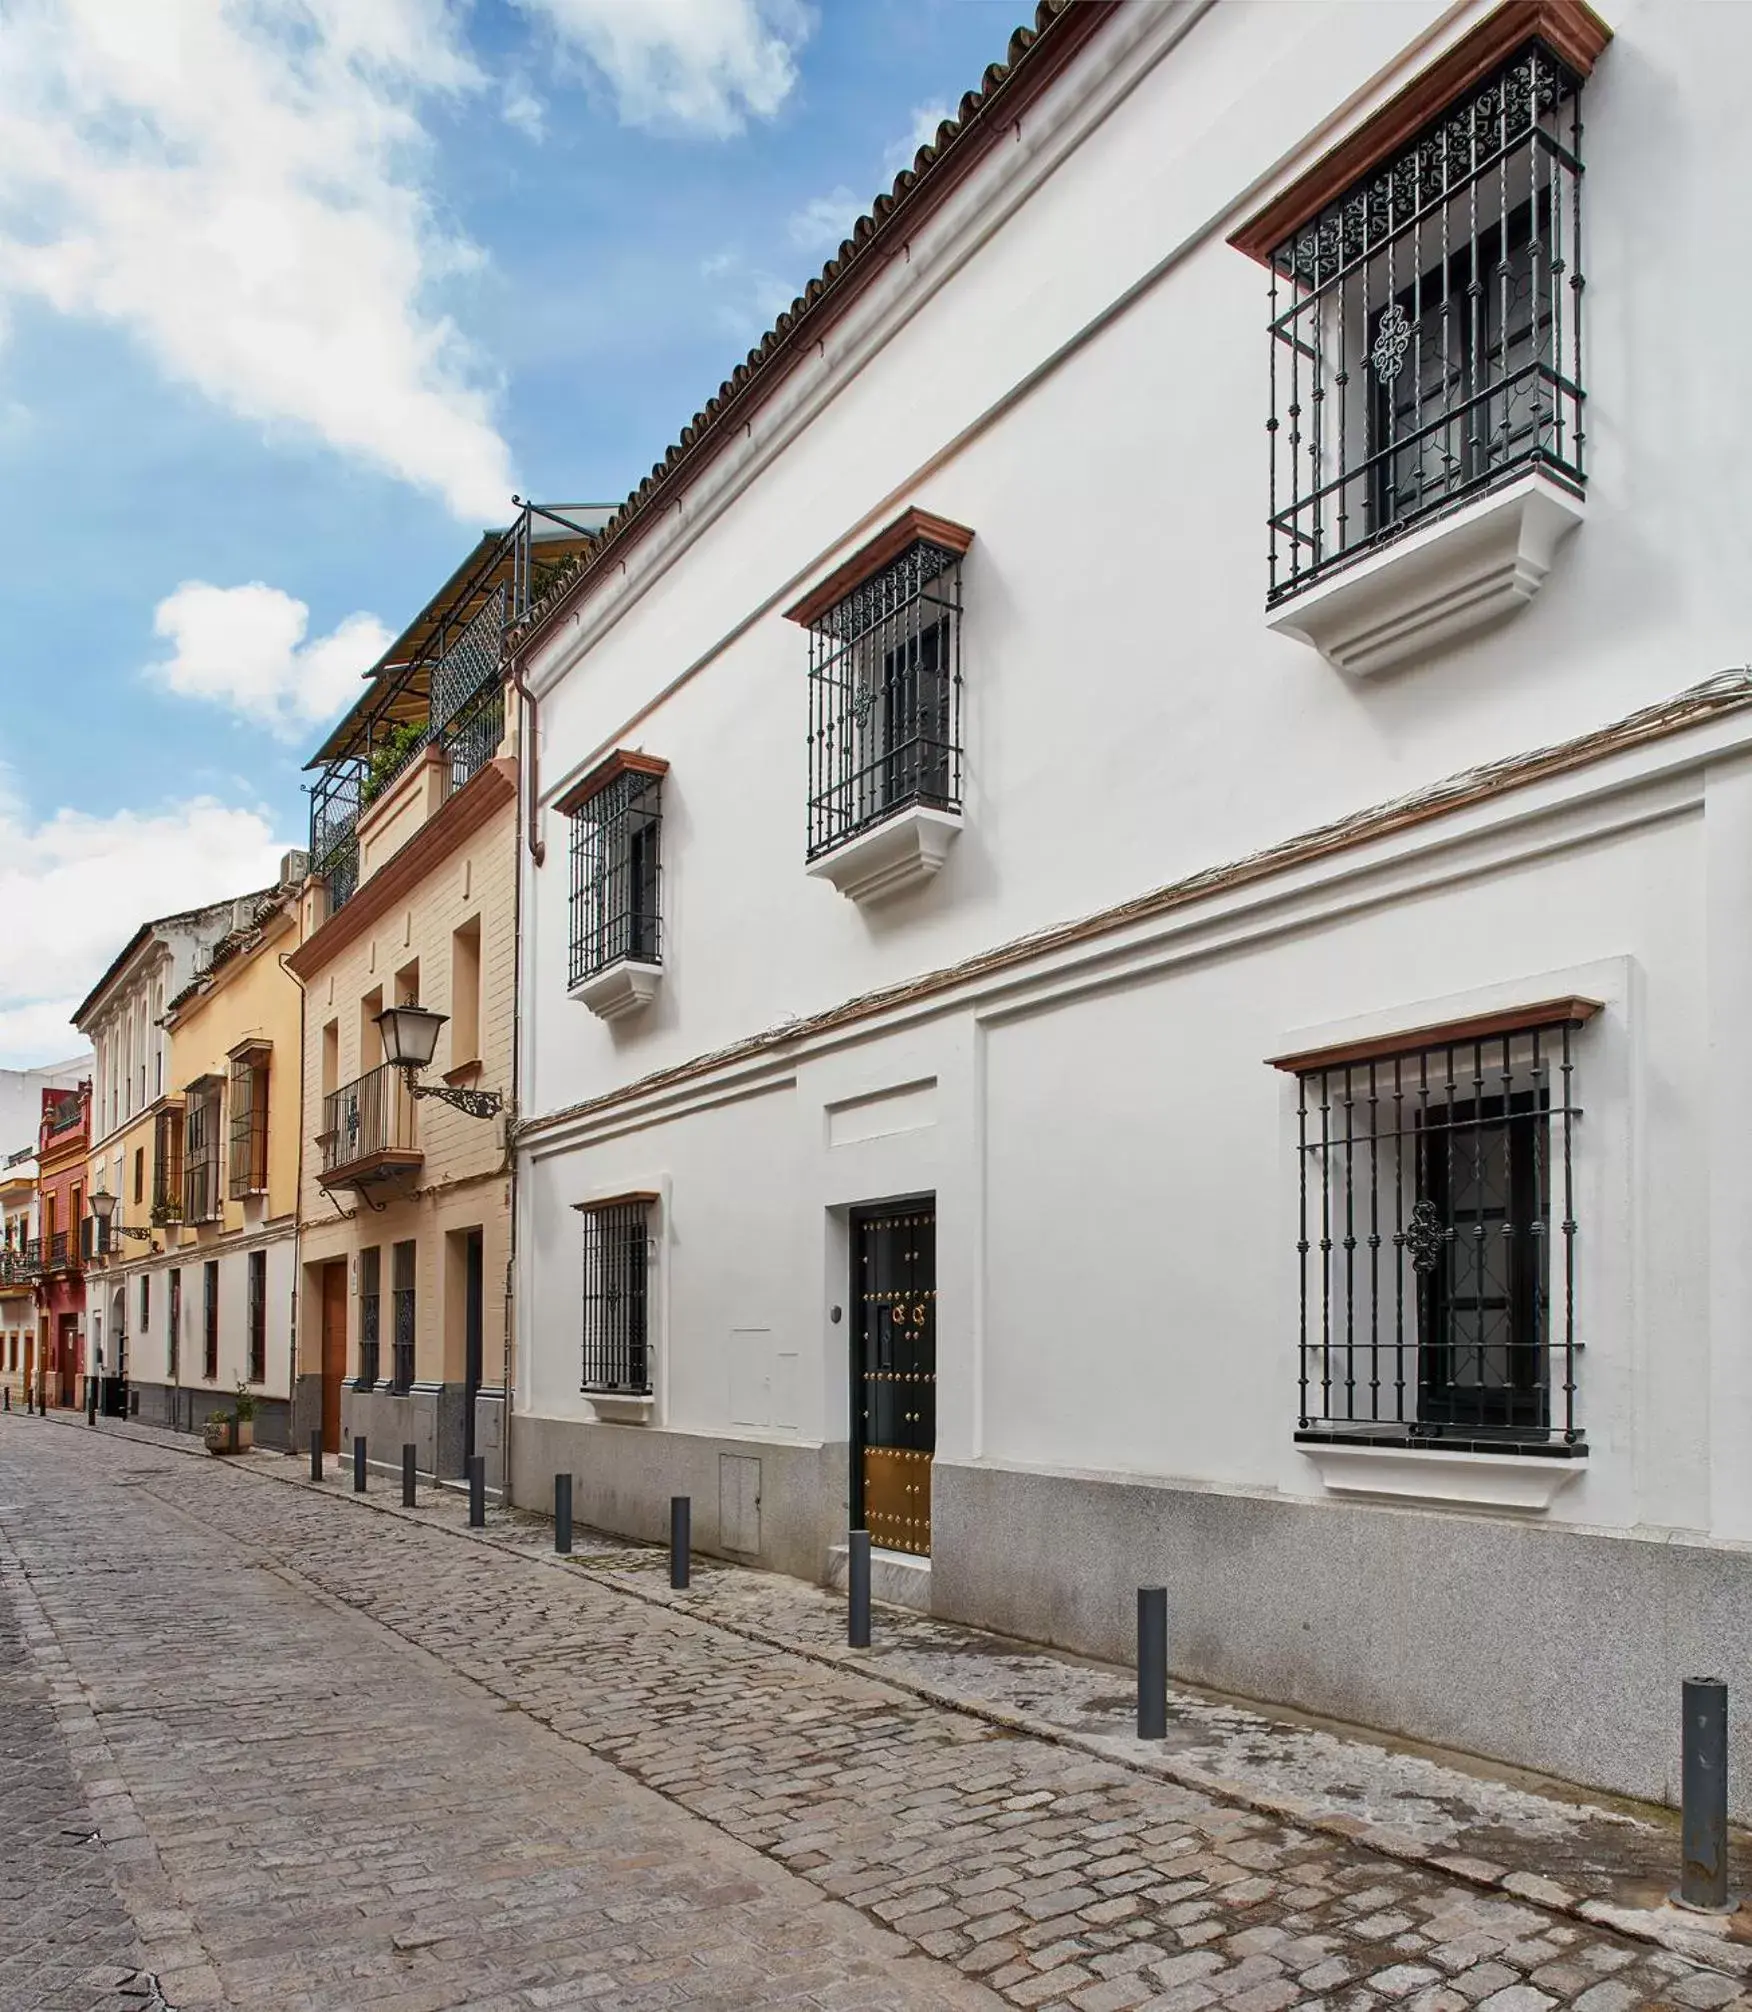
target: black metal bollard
562 1512
359 1465
9 1397
1152 1662
409 1455
316 1453
91 1400
1703 1871
858 1589
680 1539
477 1492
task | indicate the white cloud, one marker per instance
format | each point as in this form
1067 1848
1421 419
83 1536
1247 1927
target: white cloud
702 66
237 186
246 648
75 887
749 298
824 223
921 133
521 109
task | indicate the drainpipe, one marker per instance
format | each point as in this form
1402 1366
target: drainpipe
529 723
297 1227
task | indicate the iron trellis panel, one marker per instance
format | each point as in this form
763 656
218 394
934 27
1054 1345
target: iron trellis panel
1425 328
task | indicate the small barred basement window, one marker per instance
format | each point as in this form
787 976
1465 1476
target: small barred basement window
1437 1237
885 681
1426 320
617 867
617 1265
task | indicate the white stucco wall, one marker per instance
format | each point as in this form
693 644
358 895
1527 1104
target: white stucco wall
1113 1163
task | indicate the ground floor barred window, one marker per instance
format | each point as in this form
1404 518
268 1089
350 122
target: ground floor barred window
1437 1232
617 1269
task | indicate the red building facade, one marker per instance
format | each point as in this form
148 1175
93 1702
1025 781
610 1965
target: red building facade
62 1141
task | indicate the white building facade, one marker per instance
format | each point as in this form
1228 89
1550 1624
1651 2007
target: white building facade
1133 937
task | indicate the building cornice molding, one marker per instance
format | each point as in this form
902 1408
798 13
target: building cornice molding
1570 29
489 790
1082 953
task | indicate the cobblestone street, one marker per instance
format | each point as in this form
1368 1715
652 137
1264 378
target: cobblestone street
338 1758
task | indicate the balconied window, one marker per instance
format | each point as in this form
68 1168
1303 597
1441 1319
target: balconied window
615 906
200 1172
248 1157
1437 1237
1426 348
368 1129
617 1267
167 1165
885 692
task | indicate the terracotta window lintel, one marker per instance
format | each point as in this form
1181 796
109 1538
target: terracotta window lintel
911 527
1542 1014
1569 28
599 1203
624 761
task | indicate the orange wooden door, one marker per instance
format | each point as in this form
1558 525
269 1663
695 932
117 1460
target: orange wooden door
334 1352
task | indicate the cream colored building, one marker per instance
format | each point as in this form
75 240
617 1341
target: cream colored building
405 1207
190 1291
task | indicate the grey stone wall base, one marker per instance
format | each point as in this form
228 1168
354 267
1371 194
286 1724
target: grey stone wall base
490 1439
429 1420
184 1410
1547 1648
758 1502
306 1411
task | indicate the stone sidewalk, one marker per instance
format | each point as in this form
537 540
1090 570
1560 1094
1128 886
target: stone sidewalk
1058 1873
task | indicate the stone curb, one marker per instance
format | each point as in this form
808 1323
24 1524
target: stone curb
1700 1939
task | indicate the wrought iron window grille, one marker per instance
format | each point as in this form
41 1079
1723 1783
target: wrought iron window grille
617 1261
1426 326
258 1318
167 1166
616 895
200 1183
210 1321
885 697
248 1157
401 1377
1437 1245
370 1314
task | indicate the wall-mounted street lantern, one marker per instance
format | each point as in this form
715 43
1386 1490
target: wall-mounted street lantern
103 1206
410 1039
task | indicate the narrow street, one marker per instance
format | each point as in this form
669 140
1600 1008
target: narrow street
265 1748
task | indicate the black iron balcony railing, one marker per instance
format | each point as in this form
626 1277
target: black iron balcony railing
61 1252
368 1118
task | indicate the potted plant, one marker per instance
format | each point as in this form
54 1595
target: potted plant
232 1431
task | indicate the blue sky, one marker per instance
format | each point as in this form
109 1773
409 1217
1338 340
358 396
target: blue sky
292 294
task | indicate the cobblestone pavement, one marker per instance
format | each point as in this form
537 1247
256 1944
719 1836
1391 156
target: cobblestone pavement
66 1942
312 1770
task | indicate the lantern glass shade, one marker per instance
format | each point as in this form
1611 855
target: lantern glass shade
410 1035
103 1205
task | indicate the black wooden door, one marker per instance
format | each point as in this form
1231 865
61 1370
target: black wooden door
894 1373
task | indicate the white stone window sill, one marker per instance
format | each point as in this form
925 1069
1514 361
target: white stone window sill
1475 1480
619 1408
622 989
903 852
1439 583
